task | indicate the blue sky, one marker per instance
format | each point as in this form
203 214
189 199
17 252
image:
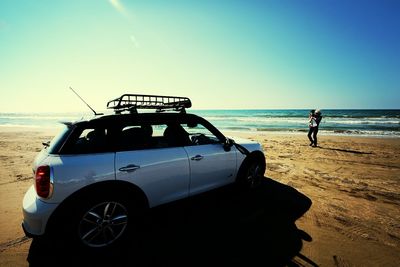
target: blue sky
221 54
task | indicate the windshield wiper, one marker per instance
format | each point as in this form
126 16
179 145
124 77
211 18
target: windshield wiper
241 148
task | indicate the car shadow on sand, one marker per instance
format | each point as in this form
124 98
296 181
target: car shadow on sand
227 226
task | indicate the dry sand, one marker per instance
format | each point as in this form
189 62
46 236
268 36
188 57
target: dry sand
353 182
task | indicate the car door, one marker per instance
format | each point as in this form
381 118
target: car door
210 165
161 171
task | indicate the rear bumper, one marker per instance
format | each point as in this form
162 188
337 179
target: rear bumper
36 214
27 233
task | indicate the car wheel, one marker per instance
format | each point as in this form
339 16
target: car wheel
103 224
251 174
99 221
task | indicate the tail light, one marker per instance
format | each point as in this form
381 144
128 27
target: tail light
43 183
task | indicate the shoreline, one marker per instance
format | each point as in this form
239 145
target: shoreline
320 133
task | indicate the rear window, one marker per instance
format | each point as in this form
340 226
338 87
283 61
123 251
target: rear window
90 140
59 140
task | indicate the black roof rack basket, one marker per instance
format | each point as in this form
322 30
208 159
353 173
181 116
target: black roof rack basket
133 102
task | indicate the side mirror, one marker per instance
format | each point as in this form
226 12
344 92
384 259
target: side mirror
227 144
191 124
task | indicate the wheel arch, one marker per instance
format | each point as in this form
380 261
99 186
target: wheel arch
254 155
122 188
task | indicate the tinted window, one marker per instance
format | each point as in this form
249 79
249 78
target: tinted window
135 137
91 140
151 136
200 135
59 140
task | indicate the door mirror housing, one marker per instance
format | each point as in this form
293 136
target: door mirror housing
227 144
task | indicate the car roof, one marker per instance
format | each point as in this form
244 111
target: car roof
140 117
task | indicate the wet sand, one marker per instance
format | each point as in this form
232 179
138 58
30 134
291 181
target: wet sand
353 183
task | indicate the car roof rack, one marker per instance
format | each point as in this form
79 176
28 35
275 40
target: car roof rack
133 102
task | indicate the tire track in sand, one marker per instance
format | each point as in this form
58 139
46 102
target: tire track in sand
14 242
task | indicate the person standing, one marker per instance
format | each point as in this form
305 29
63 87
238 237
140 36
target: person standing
315 118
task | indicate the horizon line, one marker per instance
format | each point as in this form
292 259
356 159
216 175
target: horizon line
194 109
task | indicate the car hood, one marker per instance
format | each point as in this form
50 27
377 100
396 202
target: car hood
250 145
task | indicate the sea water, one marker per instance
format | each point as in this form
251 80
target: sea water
335 121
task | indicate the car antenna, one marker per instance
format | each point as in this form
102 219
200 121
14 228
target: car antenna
95 113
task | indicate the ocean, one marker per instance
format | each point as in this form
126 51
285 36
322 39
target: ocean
374 122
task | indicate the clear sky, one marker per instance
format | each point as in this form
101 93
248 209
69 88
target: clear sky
221 54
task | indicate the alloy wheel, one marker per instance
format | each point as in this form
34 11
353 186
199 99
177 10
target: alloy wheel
253 176
103 224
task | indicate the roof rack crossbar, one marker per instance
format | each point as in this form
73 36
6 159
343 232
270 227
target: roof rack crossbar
133 102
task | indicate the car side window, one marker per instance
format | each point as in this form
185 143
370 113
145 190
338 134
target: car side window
151 136
175 135
135 137
91 140
199 134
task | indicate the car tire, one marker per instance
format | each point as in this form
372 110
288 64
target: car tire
251 173
101 221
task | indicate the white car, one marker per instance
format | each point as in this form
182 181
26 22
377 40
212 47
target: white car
96 177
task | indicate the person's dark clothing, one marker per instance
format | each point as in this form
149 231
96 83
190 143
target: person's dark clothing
318 119
313 131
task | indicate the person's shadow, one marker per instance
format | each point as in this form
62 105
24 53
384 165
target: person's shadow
227 226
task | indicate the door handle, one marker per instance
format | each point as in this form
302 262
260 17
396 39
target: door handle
129 168
197 157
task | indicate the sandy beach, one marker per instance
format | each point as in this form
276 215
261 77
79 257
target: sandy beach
353 183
